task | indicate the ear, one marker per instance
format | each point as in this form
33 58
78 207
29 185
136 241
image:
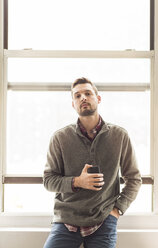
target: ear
73 104
99 98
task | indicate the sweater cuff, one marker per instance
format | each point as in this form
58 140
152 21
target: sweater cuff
73 187
122 203
119 211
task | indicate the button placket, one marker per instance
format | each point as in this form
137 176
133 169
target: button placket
92 154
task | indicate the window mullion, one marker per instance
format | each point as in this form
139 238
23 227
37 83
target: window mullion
38 179
39 86
3 128
29 53
2 110
155 114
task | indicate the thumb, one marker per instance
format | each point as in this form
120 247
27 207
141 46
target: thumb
86 167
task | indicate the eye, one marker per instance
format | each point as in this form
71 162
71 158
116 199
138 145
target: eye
87 94
78 96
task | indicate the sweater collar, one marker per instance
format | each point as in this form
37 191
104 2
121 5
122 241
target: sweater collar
102 126
95 130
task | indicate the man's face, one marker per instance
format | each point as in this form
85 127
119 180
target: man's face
84 99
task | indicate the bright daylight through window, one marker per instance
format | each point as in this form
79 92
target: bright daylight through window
38 100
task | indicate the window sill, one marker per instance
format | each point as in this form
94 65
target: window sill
43 220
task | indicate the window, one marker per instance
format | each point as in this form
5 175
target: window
36 84
79 24
63 70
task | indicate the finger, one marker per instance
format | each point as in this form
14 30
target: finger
93 186
86 167
98 184
97 179
96 189
100 175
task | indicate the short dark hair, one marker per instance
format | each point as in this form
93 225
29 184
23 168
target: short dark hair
84 80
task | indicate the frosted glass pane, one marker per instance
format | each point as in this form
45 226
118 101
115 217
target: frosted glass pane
79 24
67 70
27 198
32 119
143 202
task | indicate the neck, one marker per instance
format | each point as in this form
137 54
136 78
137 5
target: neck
89 122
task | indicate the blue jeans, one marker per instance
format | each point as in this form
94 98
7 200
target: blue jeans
104 237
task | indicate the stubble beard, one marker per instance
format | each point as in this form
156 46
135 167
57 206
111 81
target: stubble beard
87 112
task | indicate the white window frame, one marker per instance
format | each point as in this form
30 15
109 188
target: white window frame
132 221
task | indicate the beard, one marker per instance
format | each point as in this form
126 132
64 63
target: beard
87 112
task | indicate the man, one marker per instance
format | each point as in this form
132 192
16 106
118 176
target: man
88 205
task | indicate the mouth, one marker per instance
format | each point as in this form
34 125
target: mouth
84 105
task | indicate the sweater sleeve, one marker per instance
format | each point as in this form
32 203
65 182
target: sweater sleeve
54 179
130 174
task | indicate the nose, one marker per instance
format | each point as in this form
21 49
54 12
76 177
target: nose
83 97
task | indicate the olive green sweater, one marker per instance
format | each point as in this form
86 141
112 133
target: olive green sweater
68 153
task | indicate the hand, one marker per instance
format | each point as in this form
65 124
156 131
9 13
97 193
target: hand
89 181
115 213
